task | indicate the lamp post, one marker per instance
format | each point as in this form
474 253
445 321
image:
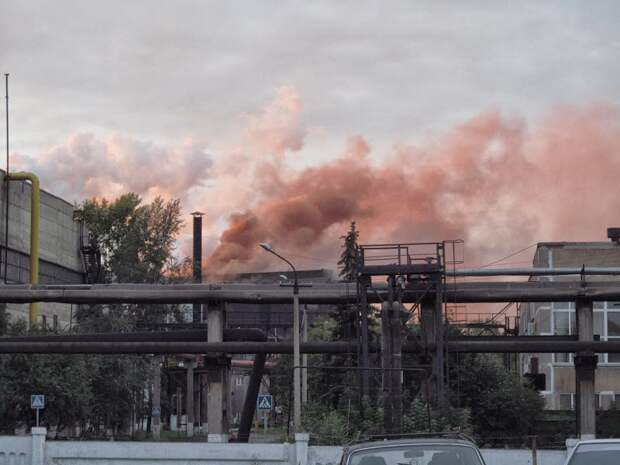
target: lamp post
296 345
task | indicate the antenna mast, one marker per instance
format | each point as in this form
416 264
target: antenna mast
6 209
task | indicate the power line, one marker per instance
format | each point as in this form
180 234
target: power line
509 256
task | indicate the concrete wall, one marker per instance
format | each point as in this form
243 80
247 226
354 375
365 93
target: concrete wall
36 451
60 260
130 453
15 450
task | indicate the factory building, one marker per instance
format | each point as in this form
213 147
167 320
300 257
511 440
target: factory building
62 252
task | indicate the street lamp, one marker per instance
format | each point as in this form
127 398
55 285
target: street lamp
296 344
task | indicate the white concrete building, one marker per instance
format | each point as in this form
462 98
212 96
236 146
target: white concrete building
558 318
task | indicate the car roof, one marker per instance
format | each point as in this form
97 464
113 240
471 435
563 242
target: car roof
411 442
598 441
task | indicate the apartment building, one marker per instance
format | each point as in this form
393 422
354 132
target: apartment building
558 318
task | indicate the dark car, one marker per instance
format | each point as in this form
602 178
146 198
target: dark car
442 449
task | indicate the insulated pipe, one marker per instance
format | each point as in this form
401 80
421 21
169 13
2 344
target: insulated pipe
35 204
504 346
461 292
587 270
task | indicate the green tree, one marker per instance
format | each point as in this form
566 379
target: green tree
63 378
136 242
349 257
501 405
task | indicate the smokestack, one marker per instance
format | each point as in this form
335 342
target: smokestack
614 235
197 261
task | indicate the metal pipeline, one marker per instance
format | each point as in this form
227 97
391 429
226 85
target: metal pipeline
506 345
35 205
586 270
461 292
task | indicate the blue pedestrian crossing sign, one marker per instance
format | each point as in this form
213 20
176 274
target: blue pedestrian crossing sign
265 402
37 401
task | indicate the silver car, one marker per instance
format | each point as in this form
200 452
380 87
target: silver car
432 449
595 452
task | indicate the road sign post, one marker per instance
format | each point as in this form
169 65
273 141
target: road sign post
37 402
265 405
265 402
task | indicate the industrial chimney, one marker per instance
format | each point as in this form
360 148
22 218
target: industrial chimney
197 262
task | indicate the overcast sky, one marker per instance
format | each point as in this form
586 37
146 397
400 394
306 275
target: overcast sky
393 70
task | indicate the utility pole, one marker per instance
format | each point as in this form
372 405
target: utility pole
296 341
304 359
6 180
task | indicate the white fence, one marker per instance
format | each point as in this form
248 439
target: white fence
35 450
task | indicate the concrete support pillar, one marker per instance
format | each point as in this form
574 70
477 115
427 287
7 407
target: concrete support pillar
218 375
585 368
301 448
38 445
156 401
189 399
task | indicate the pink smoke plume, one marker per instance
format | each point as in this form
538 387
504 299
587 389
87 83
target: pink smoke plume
495 182
491 181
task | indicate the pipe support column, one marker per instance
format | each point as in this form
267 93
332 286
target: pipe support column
585 368
218 375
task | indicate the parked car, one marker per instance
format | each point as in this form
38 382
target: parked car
595 452
417 449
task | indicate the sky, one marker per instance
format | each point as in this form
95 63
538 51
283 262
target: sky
493 122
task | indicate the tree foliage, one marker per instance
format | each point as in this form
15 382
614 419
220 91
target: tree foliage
136 239
349 257
100 392
501 404
63 378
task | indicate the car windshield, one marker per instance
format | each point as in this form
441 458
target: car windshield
423 454
599 454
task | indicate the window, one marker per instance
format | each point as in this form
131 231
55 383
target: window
567 401
563 325
599 324
613 324
543 320
613 333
